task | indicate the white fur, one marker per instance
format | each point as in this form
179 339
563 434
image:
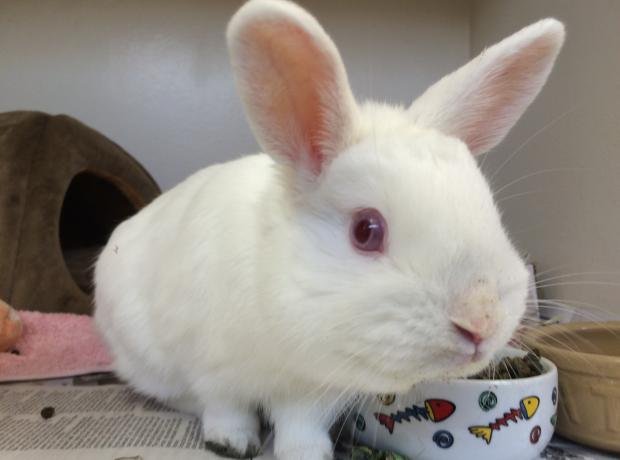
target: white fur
240 288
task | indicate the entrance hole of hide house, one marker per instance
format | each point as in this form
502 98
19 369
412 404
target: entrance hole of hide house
92 207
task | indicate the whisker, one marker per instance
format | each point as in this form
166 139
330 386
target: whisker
567 304
567 339
532 137
578 283
537 173
516 195
567 275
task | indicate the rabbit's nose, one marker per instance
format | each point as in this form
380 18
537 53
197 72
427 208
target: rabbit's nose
473 313
472 336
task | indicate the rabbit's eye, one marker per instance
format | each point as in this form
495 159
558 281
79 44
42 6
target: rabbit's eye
368 230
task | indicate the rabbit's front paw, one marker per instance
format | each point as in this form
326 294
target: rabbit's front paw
309 452
231 434
303 446
229 447
302 430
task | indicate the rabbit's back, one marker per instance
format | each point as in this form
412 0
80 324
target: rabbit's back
161 295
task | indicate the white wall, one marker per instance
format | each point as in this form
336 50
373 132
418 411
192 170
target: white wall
568 218
153 75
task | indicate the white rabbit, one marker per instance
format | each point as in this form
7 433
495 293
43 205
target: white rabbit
361 253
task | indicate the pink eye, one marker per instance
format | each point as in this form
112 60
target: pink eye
368 230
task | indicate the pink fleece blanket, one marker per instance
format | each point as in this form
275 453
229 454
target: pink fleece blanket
55 345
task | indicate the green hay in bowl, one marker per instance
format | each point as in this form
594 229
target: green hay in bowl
515 367
366 453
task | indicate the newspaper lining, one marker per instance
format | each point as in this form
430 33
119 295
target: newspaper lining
92 418
114 423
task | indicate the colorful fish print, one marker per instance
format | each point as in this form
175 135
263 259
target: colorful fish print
527 408
435 410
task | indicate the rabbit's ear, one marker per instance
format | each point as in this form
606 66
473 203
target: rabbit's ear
292 82
482 100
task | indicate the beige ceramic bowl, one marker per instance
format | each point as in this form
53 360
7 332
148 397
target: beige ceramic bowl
587 356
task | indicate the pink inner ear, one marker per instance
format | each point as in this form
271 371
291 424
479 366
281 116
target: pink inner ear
294 93
302 70
505 91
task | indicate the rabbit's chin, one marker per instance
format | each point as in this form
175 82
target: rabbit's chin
465 365
455 366
402 383
401 386
468 368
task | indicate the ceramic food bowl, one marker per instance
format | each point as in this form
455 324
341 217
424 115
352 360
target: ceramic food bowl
457 419
588 360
